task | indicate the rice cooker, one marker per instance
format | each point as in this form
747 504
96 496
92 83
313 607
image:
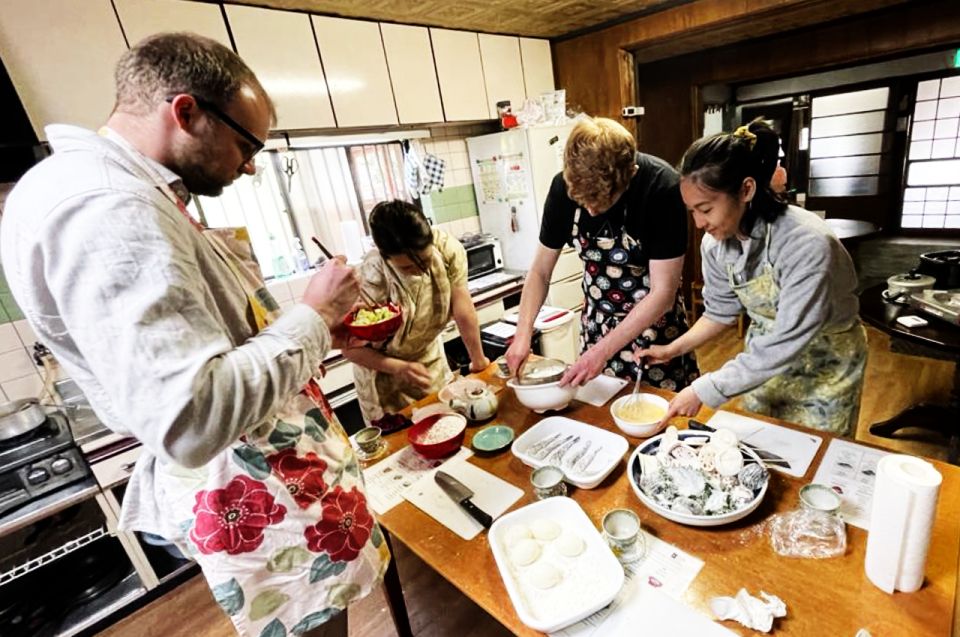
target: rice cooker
901 286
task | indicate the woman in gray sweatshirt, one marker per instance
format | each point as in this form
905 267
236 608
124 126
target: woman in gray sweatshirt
805 349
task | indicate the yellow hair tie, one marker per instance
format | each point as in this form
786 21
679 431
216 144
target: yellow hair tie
744 133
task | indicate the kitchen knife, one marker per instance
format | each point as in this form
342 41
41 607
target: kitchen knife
460 494
767 456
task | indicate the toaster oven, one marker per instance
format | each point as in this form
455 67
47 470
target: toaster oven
483 258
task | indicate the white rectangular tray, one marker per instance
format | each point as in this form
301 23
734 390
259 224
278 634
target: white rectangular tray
590 581
613 447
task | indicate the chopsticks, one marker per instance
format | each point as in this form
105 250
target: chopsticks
329 255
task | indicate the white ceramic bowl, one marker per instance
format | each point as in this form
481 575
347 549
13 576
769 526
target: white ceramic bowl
634 428
541 398
690 519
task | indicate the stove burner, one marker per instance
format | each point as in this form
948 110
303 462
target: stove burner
47 429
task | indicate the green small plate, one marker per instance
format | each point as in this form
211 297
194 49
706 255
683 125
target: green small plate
493 438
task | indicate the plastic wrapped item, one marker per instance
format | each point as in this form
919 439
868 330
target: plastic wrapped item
808 533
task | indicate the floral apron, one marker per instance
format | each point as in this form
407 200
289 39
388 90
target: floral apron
612 285
821 388
425 300
279 522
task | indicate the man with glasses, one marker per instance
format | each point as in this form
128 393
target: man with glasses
168 329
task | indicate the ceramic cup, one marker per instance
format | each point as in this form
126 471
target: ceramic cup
368 439
548 482
621 530
819 497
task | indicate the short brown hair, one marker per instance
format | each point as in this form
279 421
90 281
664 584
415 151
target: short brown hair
172 63
598 160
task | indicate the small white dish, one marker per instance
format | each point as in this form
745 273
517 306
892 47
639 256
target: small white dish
588 582
609 448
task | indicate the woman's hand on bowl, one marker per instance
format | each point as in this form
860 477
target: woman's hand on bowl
415 374
686 403
587 367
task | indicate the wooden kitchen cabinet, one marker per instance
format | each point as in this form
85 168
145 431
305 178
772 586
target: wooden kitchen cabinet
60 56
537 66
460 72
141 18
280 48
413 74
356 71
502 71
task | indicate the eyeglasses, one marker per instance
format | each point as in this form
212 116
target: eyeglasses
211 108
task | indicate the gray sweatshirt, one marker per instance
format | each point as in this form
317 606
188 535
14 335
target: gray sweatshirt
817 284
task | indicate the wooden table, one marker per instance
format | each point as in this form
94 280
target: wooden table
824 597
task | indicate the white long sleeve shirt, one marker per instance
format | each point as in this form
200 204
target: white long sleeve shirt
142 314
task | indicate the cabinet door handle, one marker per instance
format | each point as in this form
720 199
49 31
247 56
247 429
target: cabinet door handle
128 466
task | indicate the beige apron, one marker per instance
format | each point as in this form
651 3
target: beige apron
425 300
821 388
278 522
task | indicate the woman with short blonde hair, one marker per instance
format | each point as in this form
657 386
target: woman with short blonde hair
621 211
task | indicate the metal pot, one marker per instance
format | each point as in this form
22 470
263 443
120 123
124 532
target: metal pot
20 417
901 286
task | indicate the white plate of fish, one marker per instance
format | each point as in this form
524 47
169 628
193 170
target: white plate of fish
698 478
586 454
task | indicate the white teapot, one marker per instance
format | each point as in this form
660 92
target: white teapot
473 398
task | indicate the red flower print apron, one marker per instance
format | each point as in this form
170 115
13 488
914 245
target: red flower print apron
279 522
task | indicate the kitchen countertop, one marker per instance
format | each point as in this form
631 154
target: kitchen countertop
823 597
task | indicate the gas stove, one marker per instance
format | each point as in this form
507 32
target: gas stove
38 462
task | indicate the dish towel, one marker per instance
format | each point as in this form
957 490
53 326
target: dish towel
432 173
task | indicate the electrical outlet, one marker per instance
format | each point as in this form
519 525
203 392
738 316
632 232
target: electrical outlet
632 111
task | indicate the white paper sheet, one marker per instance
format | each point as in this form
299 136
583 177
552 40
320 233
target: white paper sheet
799 448
664 572
387 479
851 470
600 390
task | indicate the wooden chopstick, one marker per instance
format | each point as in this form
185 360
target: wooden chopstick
329 255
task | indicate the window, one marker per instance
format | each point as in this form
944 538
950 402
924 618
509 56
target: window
931 198
847 143
319 192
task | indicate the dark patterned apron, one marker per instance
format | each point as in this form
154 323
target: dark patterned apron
616 277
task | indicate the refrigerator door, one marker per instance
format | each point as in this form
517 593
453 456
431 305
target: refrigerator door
512 172
502 181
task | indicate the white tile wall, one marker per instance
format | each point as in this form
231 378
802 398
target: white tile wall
19 377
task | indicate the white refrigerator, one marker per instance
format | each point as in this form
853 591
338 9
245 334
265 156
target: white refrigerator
512 172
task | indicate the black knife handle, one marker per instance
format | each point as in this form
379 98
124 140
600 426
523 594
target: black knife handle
477 514
699 426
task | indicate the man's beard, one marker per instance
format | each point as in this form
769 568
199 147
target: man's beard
195 171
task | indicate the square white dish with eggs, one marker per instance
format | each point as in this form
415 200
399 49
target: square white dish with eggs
592 453
555 565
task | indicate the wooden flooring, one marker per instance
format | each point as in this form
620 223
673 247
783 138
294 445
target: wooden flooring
437 609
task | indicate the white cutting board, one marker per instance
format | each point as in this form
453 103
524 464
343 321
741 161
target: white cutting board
491 494
796 447
601 389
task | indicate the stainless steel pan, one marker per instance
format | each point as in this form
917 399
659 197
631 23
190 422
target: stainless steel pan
20 417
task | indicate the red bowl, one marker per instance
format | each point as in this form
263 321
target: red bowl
375 331
439 449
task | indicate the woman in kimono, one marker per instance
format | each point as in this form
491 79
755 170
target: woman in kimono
424 271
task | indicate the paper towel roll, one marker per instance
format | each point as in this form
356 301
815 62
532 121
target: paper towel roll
904 504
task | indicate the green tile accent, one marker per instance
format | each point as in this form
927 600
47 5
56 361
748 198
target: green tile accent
444 214
11 311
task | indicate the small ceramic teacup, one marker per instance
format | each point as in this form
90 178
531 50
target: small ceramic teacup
548 482
621 530
819 497
368 439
